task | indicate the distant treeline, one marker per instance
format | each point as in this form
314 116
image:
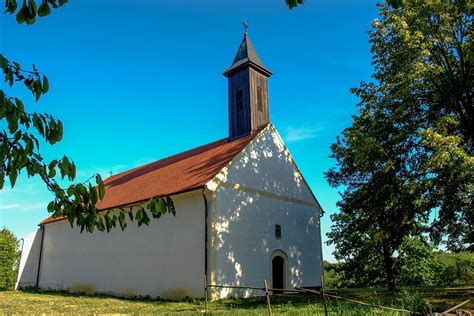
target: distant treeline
440 268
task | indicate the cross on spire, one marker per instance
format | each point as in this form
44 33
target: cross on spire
246 26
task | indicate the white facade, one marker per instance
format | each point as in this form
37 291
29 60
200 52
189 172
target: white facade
262 188
259 189
164 259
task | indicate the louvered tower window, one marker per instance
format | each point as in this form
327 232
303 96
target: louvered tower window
259 99
239 99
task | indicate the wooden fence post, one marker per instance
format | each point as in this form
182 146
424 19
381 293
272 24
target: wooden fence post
205 293
268 298
452 309
324 296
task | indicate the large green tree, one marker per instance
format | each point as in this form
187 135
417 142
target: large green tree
408 156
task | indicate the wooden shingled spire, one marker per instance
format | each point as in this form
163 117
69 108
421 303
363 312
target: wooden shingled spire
248 91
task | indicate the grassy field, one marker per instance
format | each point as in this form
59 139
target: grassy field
14 302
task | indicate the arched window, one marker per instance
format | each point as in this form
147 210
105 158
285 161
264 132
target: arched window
279 266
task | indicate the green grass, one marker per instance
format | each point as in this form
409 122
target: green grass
20 302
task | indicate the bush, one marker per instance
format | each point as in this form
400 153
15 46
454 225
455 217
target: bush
332 278
9 256
455 268
416 263
414 302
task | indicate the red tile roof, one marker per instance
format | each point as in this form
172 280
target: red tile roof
180 173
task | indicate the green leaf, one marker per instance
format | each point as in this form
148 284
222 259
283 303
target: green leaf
13 174
52 168
100 223
93 194
9 77
170 205
114 220
32 9
44 9
122 220
2 99
161 205
21 15
11 7
108 222
145 219
45 84
153 207
2 179
19 104
139 216
70 189
293 3
51 207
60 130
72 171
100 185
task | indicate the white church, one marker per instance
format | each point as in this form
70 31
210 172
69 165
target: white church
244 214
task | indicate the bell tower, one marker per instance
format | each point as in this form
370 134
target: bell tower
248 91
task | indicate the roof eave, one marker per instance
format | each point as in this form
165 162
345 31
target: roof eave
49 220
213 183
238 66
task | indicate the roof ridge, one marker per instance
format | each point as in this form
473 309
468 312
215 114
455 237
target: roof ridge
181 172
164 158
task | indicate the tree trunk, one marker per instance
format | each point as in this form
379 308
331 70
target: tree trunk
389 264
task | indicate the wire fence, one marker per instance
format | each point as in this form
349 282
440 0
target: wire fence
297 290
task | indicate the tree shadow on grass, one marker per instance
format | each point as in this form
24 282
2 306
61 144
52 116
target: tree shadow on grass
259 302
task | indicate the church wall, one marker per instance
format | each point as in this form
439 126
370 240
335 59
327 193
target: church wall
164 259
30 253
261 189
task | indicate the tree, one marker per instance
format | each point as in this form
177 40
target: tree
416 263
20 145
380 205
424 61
9 255
293 3
409 151
455 268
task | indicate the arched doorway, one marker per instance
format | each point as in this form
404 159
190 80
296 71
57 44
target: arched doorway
278 266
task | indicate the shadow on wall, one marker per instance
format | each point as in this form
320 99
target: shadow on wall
245 230
29 262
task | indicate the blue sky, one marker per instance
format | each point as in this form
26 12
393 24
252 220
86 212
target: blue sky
135 81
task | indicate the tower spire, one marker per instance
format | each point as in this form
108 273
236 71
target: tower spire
246 55
248 90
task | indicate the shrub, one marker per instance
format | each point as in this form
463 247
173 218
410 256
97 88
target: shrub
414 302
9 255
416 263
332 279
455 268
